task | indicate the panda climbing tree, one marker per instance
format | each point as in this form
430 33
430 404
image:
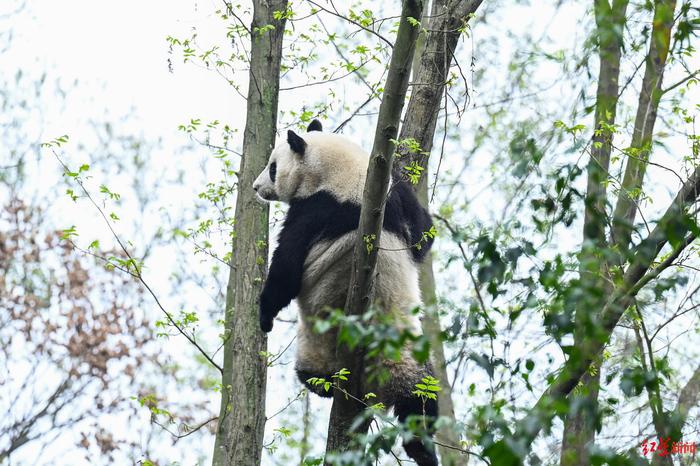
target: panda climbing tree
349 221
332 218
321 176
343 223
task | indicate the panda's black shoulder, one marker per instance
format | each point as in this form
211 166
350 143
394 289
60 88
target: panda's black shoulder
406 217
322 217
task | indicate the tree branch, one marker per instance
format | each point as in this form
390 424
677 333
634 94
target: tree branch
637 275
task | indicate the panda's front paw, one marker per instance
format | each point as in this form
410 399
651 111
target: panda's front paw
267 315
266 322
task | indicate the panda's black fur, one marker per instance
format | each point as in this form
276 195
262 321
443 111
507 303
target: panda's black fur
322 217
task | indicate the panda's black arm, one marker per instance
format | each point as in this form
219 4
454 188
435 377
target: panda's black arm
286 269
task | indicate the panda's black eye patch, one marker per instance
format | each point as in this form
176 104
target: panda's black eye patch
273 171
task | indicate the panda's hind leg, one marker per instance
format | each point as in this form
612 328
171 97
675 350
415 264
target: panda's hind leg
416 449
315 358
411 409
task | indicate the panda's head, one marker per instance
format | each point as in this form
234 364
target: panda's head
302 166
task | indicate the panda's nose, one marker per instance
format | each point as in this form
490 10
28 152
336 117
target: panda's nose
256 187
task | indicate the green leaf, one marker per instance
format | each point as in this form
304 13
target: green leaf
69 232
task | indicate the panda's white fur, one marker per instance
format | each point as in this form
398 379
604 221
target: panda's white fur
331 162
322 177
326 270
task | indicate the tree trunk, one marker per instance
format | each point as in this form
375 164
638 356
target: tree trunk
579 425
436 56
305 429
239 434
360 291
689 395
640 147
659 419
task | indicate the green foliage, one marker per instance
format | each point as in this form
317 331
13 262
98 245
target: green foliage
286 14
376 332
341 374
150 401
264 29
427 389
336 378
407 146
413 22
69 233
525 154
171 325
414 172
110 194
426 236
320 382
56 142
555 206
635 379
310 461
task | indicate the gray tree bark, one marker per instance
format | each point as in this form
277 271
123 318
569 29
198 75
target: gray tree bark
687 399
658 416
430 70
239 434
346 409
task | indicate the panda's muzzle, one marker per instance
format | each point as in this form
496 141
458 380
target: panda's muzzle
264 194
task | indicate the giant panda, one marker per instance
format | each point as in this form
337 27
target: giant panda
321 176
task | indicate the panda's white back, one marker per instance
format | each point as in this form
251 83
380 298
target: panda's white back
325 287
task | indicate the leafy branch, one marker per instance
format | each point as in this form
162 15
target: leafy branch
134 270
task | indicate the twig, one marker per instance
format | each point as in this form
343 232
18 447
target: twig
680 82
289 403
345 18
137 273
354 114
189 432
329 80
229 10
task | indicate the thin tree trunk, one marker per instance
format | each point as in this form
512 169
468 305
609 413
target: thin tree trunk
579 426
689 395
666 424
360 291
306 430
659 419
687 399
431 66
239 434
640 147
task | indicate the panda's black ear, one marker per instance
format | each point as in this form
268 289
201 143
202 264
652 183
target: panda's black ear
314 126
296 143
